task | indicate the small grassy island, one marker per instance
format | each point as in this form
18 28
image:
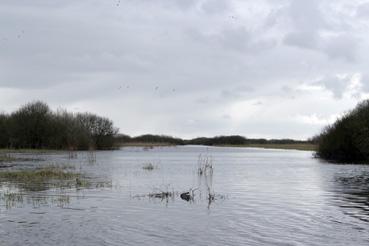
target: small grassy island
347 140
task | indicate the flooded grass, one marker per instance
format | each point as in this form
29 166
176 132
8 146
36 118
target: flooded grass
44 179
38 174
10 158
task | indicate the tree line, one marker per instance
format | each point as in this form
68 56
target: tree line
210 141
36 126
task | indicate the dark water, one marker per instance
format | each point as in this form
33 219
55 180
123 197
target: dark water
261 197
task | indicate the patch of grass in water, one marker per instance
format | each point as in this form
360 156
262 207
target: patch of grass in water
44 179
38 174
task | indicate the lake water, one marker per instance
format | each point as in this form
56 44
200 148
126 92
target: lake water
258 197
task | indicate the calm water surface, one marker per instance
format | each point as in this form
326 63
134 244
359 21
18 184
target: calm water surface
262 197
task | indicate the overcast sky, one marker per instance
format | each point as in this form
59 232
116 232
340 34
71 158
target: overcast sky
268 68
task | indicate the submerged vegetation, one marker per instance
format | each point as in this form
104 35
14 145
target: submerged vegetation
38 175
35 126
43 178
53 176
347 140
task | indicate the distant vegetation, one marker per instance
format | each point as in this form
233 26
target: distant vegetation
233 140
35 126
347 140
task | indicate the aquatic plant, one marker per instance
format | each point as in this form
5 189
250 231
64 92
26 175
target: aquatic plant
162 194
205 165
148 166
91 156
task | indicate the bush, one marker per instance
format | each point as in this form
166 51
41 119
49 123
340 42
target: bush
347 140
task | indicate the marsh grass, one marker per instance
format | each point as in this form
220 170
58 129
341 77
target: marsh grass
44 179
38 174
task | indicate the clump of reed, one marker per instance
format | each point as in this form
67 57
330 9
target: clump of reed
204 165
91 156
162 194
72 153
148 166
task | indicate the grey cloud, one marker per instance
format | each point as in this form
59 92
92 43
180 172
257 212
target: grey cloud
365 82
211 70
242 40
335 84
309 25
216 6
303 39
237 92
362 10
341 47
306 15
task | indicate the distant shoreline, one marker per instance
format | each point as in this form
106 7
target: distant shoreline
296 146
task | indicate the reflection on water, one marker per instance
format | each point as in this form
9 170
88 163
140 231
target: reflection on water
354 194
18 200
227 196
